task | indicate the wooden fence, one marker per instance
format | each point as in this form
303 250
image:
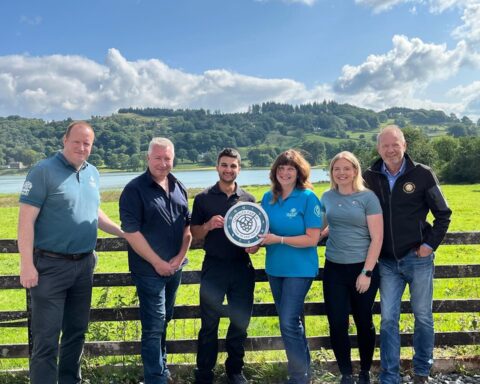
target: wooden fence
266 343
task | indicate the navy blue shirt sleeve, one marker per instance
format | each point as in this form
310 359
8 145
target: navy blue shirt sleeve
198 216
131 210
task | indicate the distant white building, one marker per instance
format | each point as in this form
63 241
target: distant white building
16 165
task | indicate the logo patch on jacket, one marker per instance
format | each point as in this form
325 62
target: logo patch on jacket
408 187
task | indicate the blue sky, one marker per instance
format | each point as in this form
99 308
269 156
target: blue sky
61 58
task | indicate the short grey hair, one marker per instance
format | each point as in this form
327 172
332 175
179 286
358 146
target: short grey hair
392 129
162 142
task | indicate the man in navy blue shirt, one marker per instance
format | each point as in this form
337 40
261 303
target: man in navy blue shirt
156 221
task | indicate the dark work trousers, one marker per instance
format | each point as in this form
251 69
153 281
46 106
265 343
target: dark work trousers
234 279
60 303
341 299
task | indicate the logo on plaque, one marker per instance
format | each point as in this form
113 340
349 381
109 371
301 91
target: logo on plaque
244 222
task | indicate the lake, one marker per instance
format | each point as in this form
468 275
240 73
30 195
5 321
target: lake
191 179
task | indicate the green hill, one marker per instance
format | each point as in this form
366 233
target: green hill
320 129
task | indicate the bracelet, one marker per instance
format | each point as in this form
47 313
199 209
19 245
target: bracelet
281 240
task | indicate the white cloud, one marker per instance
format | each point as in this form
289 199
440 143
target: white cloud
469 96
73 86
382 5
35 20
60 86
439 6
401 76
470 29
435 6
409 66
306 2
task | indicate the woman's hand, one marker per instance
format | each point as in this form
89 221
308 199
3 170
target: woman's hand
324 232
270 238
363 283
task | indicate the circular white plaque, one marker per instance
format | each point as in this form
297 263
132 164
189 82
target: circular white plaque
244 222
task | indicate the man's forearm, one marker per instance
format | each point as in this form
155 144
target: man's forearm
199 231
140 245
187 240
26 233
108 225
25 244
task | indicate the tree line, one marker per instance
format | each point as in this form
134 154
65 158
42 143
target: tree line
445 142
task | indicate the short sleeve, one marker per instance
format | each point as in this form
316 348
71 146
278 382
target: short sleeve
34 190
267 196
372 204
188 217
131 210
198 215
188 214
322 203
313 212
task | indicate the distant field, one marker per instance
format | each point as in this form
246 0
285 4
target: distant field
463 200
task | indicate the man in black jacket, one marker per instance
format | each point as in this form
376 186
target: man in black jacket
407 191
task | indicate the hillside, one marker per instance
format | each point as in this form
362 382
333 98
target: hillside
320 129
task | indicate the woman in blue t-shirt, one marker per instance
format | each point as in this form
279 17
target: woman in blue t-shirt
294 214
350 277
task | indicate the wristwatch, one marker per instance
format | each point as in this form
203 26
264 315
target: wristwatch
366 272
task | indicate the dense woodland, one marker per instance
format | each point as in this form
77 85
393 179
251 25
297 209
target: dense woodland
451 145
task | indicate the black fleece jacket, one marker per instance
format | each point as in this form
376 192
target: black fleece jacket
405 208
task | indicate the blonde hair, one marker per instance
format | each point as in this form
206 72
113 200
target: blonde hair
295 159
358 182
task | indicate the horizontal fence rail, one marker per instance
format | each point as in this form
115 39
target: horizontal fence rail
267 343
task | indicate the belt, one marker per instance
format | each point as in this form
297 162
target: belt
67 256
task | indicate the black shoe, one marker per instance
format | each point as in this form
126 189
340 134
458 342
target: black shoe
347 379
364 377
237 378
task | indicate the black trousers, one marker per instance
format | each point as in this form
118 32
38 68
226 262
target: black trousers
234 279
341 299
60 305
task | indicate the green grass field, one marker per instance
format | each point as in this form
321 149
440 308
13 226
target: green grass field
466 211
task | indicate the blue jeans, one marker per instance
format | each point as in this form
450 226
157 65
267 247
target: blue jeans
157 299
417 272
289 295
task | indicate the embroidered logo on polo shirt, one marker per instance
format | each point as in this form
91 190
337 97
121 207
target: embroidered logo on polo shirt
408 187
293 212
92 182
317 211
27 186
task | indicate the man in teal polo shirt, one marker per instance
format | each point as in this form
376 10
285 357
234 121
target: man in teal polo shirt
57 232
